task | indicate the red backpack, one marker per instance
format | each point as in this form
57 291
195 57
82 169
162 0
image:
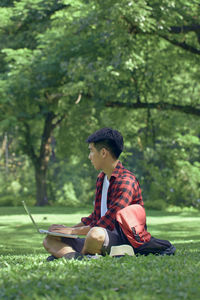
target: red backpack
132 220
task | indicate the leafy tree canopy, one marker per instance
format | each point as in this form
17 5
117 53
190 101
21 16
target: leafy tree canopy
68 67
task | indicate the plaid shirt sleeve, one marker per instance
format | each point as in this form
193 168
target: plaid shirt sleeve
88 220
126 192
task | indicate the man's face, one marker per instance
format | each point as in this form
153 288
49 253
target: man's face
95 157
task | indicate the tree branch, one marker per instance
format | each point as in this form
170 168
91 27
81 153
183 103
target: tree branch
173 29
182 45
185 29
58 121
45 14
159 106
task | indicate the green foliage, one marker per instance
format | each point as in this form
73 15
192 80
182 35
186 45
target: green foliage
67 195
72 59
16 182
24 273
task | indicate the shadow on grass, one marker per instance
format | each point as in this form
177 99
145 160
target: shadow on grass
19 210
158 213
177 229
21 239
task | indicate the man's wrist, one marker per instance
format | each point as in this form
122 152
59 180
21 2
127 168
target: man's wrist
83 230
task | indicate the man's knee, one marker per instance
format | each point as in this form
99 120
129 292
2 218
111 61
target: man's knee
46 242
94 241
96 234
49 241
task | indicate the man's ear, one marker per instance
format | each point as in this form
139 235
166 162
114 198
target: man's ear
104 152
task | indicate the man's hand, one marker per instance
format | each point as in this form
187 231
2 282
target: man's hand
60 229
77 229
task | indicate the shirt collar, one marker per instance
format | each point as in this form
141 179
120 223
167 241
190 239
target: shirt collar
117 170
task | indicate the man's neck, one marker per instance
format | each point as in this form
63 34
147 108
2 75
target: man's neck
108 170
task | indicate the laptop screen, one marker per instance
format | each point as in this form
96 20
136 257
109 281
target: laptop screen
28 212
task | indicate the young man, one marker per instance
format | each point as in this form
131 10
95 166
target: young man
116 190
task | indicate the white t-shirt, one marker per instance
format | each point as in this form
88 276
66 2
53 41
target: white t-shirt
104 194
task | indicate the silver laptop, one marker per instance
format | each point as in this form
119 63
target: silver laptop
73 236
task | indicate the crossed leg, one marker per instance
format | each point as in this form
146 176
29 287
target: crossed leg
56 247
92 245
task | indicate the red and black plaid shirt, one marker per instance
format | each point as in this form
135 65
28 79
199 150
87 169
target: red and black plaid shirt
124 190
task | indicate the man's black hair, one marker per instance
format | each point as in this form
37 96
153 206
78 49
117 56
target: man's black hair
107 138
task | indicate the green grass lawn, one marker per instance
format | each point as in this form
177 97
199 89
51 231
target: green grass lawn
24 273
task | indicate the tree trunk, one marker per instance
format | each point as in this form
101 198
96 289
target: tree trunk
41 186
40 161
41 165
